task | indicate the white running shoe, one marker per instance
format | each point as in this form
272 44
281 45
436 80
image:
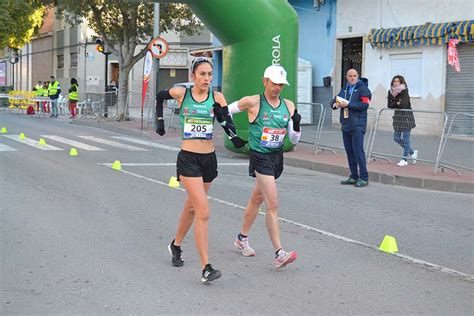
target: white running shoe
244 246
284 258
414 156
402 163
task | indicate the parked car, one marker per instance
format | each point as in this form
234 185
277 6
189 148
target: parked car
172 104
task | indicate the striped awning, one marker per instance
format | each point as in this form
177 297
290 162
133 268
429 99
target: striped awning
426 34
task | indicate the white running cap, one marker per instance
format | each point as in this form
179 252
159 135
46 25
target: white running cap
276 73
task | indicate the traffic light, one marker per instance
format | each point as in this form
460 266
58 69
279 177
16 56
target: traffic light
13 56
100 46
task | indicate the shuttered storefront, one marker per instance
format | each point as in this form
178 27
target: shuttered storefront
460 89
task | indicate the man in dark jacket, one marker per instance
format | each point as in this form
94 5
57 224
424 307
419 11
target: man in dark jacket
353 102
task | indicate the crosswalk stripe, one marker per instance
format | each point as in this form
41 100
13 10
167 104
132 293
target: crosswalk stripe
4 147
32 143
147 143
112 143
72 142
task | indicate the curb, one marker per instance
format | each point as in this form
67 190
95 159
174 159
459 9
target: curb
404 181
420 183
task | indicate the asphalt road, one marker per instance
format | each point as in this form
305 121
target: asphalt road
80 238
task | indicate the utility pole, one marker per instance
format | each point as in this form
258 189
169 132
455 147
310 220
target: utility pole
156 61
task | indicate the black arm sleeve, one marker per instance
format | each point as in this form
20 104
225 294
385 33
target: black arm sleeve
160 97
223 117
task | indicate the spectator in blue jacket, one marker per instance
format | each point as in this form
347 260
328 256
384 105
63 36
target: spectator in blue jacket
353 102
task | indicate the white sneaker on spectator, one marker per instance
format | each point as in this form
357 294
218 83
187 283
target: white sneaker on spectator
414 156
402 163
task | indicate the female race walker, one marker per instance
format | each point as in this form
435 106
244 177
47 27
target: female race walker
196 165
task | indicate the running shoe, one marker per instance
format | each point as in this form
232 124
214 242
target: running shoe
349 181
284 258
210 274
176 254
402 163
414 156
361 183
244 246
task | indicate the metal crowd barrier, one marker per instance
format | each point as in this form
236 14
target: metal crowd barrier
329 136
133 106
425 138
98 104
457 149
311 118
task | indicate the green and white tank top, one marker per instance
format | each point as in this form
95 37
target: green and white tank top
197 118
268 130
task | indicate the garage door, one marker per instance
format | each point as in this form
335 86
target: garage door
460 89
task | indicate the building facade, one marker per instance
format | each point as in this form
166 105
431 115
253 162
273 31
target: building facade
385 38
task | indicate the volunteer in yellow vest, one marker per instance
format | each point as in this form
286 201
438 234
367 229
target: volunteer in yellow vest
271 119
73 97
54 90
38 89
196 166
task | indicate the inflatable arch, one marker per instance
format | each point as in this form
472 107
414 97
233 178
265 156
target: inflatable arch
255 34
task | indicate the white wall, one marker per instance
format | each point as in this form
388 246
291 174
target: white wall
363 15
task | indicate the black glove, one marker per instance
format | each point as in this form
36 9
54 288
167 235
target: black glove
160 127
296 121
238 142
220 112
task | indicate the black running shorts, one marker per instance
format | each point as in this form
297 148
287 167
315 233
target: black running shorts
268 164
191 164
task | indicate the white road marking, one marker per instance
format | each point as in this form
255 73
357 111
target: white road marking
73 143
4 147
32 143
147 143
152 164
446 270
112 143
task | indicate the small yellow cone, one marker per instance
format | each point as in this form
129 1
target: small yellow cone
389 244
117 165
22 136
73 152
41 141
4 130
173 183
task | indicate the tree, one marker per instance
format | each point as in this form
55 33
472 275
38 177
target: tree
20 20
123 24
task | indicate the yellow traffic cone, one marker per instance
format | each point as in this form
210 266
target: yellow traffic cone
173 183
4 130
117 165
389 244
22 136
41 141
73 152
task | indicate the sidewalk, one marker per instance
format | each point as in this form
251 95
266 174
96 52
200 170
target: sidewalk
303 156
